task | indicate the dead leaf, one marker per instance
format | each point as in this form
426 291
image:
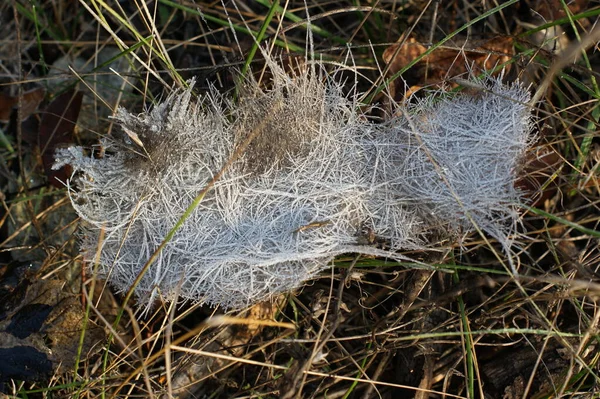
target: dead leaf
444 63
133 136
58 124
540 175
40 328
6 106
30 101
550 10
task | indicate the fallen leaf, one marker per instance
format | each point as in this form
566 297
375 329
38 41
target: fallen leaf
550 10
30 101
540 175
6 106
444 63
40 330
56 128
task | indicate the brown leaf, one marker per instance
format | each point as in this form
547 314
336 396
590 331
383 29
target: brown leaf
551 10
445 62
539 177
6 106
56 129
398 56
40 330
30 101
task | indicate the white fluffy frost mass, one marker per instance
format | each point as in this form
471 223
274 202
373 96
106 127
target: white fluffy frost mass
318 180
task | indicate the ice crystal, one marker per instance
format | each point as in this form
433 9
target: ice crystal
318 180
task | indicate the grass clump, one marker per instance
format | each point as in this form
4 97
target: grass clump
314 174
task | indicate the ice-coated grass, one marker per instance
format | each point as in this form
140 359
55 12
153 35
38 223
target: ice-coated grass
462 155
318 180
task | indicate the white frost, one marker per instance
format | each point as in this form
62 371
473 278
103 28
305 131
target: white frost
317 182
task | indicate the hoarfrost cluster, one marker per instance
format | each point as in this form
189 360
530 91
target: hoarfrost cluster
318 180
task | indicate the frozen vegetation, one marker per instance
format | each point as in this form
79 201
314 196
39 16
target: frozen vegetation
319 179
